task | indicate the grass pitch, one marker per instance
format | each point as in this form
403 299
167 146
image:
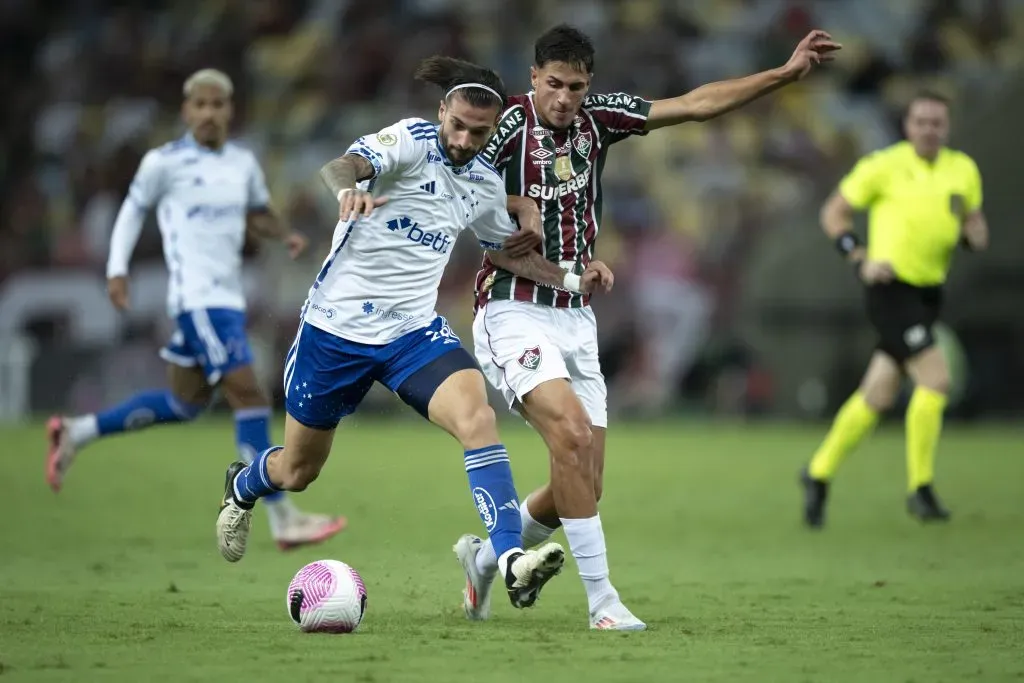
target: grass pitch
118 578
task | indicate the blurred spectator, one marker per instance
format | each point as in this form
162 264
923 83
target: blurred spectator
89 85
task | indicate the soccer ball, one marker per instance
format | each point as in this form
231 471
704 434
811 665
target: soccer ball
327 596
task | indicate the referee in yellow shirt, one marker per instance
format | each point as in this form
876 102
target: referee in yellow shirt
923 200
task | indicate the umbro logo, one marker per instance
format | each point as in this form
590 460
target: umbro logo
429 188
542 153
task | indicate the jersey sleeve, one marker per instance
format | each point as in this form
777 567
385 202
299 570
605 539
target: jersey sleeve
391 149
502 146
148 185
861 186
618 115
494 225
258 194
974 195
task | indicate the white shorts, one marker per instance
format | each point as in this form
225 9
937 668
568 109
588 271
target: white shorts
520 345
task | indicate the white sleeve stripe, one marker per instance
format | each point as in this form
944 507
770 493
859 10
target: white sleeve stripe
369 155
620 110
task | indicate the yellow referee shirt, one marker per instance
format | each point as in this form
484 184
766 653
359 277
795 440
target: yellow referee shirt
915 208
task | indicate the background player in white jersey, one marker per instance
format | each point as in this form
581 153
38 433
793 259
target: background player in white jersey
538 346
405 195
206 192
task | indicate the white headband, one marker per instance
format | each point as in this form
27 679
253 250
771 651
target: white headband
473 85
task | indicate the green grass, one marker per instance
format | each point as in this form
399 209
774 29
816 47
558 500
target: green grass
118 578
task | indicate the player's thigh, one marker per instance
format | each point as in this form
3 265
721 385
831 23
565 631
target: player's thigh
459 406
514 343
433 374
930 369
242 388
189 385
325 378
881 382
555 411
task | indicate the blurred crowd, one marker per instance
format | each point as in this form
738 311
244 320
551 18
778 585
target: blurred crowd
89 85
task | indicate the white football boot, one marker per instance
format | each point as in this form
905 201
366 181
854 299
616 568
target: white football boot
476 596
234 521
613 616
296 529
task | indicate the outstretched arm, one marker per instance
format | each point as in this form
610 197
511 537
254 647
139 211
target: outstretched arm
715 99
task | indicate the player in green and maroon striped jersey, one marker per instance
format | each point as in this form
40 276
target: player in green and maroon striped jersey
537 344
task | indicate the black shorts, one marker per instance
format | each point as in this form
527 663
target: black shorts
903 316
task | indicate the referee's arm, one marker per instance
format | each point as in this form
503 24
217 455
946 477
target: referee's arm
975 231
837 221
974 227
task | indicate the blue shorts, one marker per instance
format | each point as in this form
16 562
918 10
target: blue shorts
211 338
327 377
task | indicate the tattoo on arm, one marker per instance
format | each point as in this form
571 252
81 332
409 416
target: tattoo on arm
344 172
533 266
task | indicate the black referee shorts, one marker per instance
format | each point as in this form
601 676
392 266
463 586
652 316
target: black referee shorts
903 316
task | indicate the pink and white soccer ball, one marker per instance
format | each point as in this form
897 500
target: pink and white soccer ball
327 596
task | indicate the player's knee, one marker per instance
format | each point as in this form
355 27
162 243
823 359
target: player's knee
297 474
191 403
937 381
571 435
478 425
880 398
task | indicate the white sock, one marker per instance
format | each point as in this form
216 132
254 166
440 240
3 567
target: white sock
81 430
534 533
586 541
503 560
279 512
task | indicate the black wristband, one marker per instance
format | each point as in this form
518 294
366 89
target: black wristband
847 242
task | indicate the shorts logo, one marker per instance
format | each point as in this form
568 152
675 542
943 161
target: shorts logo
326 312
531 358
486 507
915 336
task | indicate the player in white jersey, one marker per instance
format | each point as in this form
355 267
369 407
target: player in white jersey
206 192
405 194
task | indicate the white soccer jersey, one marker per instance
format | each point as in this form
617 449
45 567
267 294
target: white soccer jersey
381 278
201 199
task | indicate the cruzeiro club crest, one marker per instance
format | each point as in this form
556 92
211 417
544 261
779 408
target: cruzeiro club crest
531 358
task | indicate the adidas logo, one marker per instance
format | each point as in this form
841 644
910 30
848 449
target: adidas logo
429 188
510 505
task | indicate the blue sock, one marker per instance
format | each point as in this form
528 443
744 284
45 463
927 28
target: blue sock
253 482
252 434
494 494
158 406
